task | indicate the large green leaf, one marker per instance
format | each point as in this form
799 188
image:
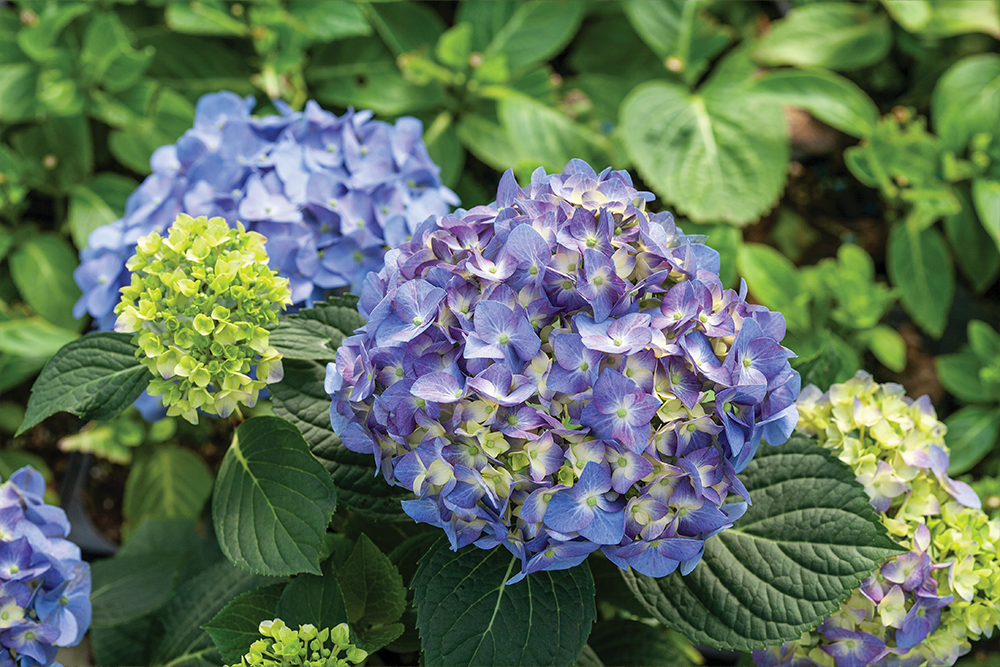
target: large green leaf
315 333
808 539
166 482
96 377
33 337
204 18
944 19
312 599
97 203
18 86
273 500
774 282
920 267
487 141
621 641
467 615
236 625
128 587
327 21
972 433
835 35
836 101
718 155
980 254
959 373
301 399
986 195
405 26
967 100
372 586
42 269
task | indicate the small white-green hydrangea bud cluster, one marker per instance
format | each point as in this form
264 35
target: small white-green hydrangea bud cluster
925 606
305 647
199 302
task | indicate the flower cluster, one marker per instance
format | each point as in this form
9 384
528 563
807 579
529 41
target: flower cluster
562 371
284 647
924 606
328 193
198 301
44 585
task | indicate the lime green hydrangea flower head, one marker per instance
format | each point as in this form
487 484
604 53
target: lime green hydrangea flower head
199 304
305 647
925 606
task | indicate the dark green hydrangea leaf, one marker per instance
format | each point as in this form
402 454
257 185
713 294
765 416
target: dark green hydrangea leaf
920 266
312 599
467 615
235 627
273 500
95 377
809 539
624 642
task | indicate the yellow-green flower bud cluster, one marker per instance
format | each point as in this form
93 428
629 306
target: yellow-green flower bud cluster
199 303
896 447
305 647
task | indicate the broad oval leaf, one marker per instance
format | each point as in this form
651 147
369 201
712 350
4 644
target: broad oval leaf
774 281
972 432
273 500
42 269
720 155
809 538
920 267
166 482
236 625
312 599
831 98
33 337
525 32
95 377
986 195
959 373
967 100
543 136
980 254
835 35
127 587
467 615
372 586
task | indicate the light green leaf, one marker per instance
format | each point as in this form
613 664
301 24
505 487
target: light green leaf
97 203
301 399
33 337
980 255
95 377
42 268
986 194
404 26
312 599
831 98
487 141
467 615
236 626
127 587
833 360
888 347
774 282
454 46
967 100
18 90
372 587
959 373
972 433
984 341
944 19
445 148
327 21
204 18
534 31
12 460
272 500
808 539
108 57
920 267
38 41
835 35
718 156
165 482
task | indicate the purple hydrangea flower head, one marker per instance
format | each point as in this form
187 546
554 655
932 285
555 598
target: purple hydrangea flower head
562 371
331 194
44 584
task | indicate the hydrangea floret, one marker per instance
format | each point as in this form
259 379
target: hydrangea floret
44 584
562 371
305 647
329 193
198 303
922 607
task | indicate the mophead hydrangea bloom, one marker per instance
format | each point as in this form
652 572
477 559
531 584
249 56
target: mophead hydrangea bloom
44 584
330 194
923 607
198 302
562 371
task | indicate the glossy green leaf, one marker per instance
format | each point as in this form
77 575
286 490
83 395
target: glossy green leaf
832 362
454 46
301 399
273 500
487 141
980 254
107 55
95 377
327 21
204 18
984 341
835 35
18 86
97 203
313 599
920 267
773 281
128 587
543 136
944 19
404 26
531 31
33 337
166 481
236 625
37 41
808 539
972 433
372 587
620 641
986 195
42 268
720 155
959 373
967 100
467 615
679 33
888 347
831 98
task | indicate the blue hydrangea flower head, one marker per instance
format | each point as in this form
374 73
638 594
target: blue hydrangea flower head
330 194
562 371
44 584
